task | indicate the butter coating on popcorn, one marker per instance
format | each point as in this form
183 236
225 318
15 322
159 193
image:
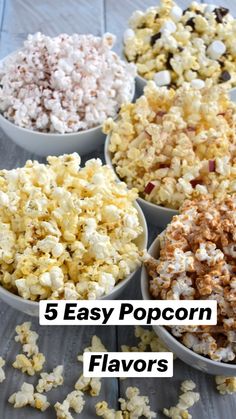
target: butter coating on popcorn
197 262
186 400
2 372
225 385
27 397
67 232
174 145
172 46
64 84
50 380
74 401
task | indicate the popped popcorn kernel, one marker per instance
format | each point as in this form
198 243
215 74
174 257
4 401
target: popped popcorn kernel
225 385
186 400
50 380
26 396
88 384
2 372
74 401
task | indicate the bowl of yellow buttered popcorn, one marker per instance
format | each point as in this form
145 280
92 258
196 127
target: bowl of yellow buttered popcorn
172 145
171 46
67 232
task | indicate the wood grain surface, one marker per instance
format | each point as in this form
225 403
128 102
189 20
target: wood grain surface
62 344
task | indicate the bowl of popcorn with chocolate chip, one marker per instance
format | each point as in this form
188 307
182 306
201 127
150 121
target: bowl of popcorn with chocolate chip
194 259
55 92
171 46
67 232
174 145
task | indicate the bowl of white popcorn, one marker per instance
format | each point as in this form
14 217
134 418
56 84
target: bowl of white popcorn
67 232
192 259
172 145
55 93
171 46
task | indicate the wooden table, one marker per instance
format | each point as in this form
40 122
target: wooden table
62 344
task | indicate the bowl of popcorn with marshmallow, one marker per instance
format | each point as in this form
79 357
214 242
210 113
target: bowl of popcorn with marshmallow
67 232
194 259
172 145
171 46
55 93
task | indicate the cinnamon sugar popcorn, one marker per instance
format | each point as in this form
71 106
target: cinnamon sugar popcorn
197 261
64 84
66 232
172 46
172 145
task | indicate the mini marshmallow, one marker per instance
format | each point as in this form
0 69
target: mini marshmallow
169 27
216 49
128 34
162 78
197 84
176 13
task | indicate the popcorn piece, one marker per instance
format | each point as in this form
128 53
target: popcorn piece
50 380
92 385
29 365
103 410
65 222
96 346
203 236
162 78
2 373
194 44
27 338
26 396
225 385
72 83
136 406
186 400
74 400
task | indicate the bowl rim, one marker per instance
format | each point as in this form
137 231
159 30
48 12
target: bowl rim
153 250
143 239
58 134
141 201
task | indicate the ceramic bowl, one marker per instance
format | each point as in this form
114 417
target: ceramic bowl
186 355
32 307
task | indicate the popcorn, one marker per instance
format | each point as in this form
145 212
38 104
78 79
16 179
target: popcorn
68 232
26 396
92 385
2 373
225 385
197 262
96 346
64 84
33 361
166 39
174 145
186 400
74 400
50 380
134 407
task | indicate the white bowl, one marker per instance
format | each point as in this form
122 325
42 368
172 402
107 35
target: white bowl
32 307
44 144
186 355
155 214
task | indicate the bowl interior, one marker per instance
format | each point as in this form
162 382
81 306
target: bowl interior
200 361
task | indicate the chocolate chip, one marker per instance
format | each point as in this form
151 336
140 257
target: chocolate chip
198 12
180 49
191 23
225 76
157 15
186 10
143 26
136 58
220 12
154 38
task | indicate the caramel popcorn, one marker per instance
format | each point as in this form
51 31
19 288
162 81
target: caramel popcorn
66 232
197 262
172 46
174 145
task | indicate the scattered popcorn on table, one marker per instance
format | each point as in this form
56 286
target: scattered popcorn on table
33 361
74 401
64 84
96 346
134 407
173 145
50 380
2 373
197 261
66 232
225 385
172 46
91 385
26 396
186 400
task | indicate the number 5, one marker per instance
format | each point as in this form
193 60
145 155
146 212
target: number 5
51 311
